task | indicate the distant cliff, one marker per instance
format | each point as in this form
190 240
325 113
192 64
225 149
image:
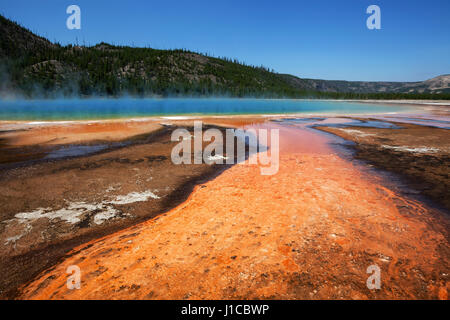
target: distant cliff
32 66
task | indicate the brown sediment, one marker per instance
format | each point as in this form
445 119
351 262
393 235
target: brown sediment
420 154
22 141
90 185
308 232
72 132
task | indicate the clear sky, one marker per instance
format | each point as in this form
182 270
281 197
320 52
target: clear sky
325 39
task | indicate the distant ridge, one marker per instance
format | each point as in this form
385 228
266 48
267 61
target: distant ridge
33 66
439 84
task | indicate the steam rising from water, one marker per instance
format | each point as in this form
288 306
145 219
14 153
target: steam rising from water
83 109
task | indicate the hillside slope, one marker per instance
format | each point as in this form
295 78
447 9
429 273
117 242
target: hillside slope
439 84
34 67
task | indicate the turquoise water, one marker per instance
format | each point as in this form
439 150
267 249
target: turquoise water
78 109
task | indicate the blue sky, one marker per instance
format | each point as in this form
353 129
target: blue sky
325 39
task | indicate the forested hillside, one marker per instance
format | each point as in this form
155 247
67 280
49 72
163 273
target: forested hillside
32 66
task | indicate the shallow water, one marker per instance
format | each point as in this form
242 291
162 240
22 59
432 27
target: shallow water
426 120
77 109
75 151
360 123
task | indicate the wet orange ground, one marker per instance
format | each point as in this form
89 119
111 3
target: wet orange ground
16 133
308 232
25 134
